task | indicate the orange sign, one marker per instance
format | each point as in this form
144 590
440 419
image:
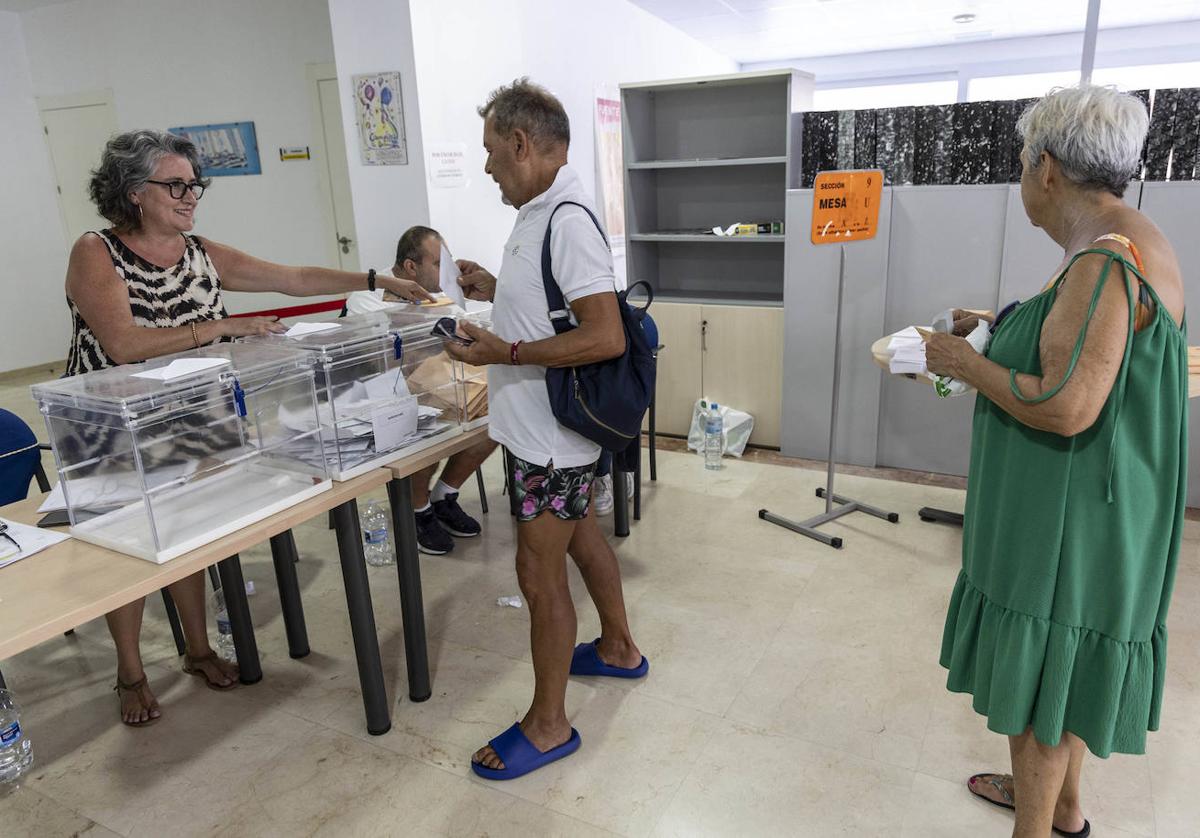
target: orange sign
846 206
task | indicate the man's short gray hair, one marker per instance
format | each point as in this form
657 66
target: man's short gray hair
128 162
1095 133
530 107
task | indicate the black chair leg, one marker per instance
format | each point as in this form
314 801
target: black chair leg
3 686
637 484
173 619
214 577
653 461
482 491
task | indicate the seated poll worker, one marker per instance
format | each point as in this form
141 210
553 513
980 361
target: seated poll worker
1078 476
440 519
526 134
146 286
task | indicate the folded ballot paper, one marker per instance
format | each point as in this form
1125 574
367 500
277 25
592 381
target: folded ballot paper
907 349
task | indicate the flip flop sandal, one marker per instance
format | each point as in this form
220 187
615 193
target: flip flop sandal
520 756
136 688
995 781
587 661
191 667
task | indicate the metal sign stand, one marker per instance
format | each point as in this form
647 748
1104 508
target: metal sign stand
846 505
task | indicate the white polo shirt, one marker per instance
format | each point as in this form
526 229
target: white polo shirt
518 404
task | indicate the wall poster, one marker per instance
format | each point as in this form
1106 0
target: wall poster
230 148
610 190
379 109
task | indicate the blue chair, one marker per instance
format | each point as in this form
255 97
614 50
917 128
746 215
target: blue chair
20 459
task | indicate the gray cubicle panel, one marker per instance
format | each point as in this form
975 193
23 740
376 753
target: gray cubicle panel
1174 207
1030 256
810 301
946 249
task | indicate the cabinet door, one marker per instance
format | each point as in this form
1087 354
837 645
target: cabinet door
743 364
679 382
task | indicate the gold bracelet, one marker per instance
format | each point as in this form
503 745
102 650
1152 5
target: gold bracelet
195 336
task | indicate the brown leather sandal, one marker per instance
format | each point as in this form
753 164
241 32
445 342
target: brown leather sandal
136 687
191 667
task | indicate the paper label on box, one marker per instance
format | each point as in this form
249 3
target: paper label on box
394 422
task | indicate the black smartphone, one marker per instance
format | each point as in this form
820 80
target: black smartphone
57 518
446 329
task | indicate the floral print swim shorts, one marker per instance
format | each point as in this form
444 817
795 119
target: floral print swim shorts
565 492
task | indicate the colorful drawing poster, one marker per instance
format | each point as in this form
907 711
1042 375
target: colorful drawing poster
610 192
379 108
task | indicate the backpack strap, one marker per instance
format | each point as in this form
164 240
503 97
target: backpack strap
560 313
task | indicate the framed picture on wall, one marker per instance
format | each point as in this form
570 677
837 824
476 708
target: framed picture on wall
379 110
230 148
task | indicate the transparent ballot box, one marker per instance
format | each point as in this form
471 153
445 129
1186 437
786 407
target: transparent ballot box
470 381
378 393
159 458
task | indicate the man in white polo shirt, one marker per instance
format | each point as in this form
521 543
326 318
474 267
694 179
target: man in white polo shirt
526 134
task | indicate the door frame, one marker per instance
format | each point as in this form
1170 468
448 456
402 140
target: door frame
314 74
66 101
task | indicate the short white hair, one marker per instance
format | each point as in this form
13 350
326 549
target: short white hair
1095 133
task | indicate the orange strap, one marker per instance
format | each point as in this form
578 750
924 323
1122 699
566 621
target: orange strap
1142 311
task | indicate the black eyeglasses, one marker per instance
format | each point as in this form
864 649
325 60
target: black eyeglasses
178 188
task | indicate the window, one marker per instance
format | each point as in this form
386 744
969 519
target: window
1150 77
885 95
1025 86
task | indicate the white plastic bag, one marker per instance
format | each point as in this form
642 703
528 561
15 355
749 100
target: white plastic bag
737 425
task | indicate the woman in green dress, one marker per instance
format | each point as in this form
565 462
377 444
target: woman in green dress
1075 498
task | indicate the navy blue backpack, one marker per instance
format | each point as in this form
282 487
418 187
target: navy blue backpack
604 401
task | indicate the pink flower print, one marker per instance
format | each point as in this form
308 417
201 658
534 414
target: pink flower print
519 476
558 504
584 488
529 507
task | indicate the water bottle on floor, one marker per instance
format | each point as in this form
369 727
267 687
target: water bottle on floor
225 646
16 752
713 426
377 544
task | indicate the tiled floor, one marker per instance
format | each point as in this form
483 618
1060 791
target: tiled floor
794 691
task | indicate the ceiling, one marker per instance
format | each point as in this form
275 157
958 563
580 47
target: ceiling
772 30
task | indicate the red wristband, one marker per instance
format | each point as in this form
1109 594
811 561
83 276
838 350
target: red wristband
512 352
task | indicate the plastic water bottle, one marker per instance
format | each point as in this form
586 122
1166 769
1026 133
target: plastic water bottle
225 646
377 544
713 425
16 751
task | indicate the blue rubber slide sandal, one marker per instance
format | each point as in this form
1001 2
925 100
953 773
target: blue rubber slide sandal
520 756
587 661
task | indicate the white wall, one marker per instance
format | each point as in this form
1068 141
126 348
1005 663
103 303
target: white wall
34 326
371 36
467 48
176 62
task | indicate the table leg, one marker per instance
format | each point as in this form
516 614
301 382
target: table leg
173 621
653 461
240 624
412 606
362 618
283 555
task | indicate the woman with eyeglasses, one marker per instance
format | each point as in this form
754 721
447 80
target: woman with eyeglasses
146 287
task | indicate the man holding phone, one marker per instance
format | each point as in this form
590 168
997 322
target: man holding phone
440 519
526 134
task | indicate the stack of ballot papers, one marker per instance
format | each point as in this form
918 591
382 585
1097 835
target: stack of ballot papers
907 350
355 408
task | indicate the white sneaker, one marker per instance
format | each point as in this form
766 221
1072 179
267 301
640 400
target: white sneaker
629 487
602 495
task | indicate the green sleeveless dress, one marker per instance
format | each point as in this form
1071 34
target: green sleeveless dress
1058 618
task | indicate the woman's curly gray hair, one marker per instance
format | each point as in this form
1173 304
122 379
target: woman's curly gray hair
1095 133
128 162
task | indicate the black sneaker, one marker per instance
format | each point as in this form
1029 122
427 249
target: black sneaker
453 519
431 538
